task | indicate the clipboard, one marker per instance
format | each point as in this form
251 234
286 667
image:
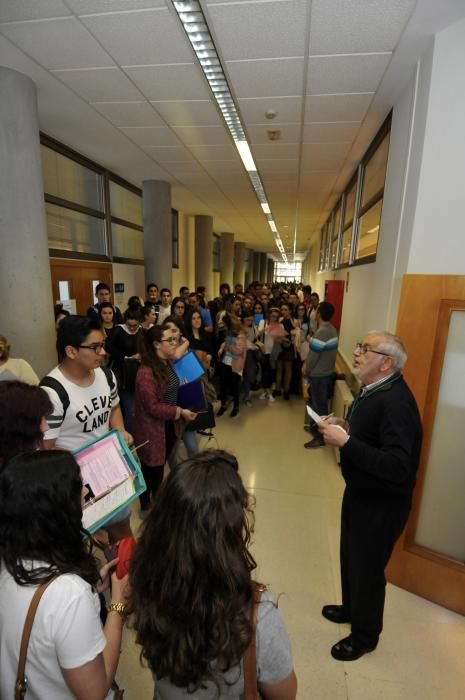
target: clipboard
189 368
113 477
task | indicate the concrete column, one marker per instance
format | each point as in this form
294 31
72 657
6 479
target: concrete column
227 259
204 253
256 267
239 263
158 260
270 270
263 267
24 261
249 270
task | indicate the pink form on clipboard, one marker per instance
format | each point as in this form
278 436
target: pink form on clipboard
103 466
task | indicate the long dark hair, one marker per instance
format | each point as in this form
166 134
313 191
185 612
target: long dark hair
188 324
40 518
191 582
148 354
22 408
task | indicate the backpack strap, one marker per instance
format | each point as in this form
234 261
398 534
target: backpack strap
250 654
58 388
110 377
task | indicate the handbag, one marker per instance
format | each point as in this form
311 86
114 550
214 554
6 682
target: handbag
250 654
21 680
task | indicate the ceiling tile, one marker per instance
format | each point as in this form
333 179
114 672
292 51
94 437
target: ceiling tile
212 152
324 156
129 113
350 107
188 112
100 84
258 133
259 30
288 109
275 150
174 82
353 73
170 154
160 37
327 132
57 43
280 77
338 26
198 135
11 10
151 136
84 7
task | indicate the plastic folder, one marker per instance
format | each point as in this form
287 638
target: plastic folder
192 396
189 368
113 478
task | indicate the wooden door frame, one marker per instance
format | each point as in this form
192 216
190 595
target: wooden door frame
424 317
79 265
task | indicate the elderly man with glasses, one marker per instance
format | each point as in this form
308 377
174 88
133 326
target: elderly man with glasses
380 449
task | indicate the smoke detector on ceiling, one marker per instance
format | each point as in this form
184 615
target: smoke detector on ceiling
271 114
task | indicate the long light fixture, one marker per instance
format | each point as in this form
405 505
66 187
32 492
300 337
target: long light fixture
195 25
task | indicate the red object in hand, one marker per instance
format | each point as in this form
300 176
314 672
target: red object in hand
126 549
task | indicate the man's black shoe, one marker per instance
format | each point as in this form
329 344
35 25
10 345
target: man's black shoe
348 649
313 444
335 613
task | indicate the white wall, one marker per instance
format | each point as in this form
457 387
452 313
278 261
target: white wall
133 277
437 237
180 276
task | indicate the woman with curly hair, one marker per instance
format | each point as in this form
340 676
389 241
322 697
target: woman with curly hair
41 535
192 593
23 418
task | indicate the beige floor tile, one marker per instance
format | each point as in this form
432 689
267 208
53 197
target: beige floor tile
296 544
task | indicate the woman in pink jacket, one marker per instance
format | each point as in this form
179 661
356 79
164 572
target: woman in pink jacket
156 411
232 352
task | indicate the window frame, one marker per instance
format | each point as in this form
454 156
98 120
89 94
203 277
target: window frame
174 239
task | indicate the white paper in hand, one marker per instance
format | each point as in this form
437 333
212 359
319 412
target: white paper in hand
313 415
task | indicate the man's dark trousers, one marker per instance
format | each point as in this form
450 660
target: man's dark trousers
369 530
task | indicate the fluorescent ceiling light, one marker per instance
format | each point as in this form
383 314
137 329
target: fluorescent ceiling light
246 155
195 25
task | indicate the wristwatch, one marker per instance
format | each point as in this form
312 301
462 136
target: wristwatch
120 608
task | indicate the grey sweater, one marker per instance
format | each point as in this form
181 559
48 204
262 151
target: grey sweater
323 350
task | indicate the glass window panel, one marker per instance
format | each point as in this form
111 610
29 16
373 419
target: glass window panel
350 204
69 180
287 271
375 171
125 204
441 523
127 242
71 230
369 231
345 249
63 290
328 246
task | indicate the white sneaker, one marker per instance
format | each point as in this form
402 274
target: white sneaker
271 399
263 396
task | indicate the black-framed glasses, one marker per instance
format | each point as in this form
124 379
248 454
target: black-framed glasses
96 347
171 341
363 348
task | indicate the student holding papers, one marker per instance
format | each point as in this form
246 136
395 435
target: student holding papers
156 410
69 654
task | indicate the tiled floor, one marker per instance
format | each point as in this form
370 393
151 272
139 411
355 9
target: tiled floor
298 493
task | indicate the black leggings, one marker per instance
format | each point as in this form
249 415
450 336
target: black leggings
230 383
153 475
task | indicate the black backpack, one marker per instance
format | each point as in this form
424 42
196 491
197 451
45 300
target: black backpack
58 387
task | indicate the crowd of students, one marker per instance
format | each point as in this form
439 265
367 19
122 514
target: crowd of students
192 595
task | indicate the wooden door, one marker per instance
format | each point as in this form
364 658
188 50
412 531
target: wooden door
432 566
78 279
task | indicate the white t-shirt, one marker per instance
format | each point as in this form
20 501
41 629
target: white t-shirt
67 633
17 369
88 414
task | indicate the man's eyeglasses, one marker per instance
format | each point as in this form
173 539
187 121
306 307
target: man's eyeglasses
363 348
96 347
171 341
